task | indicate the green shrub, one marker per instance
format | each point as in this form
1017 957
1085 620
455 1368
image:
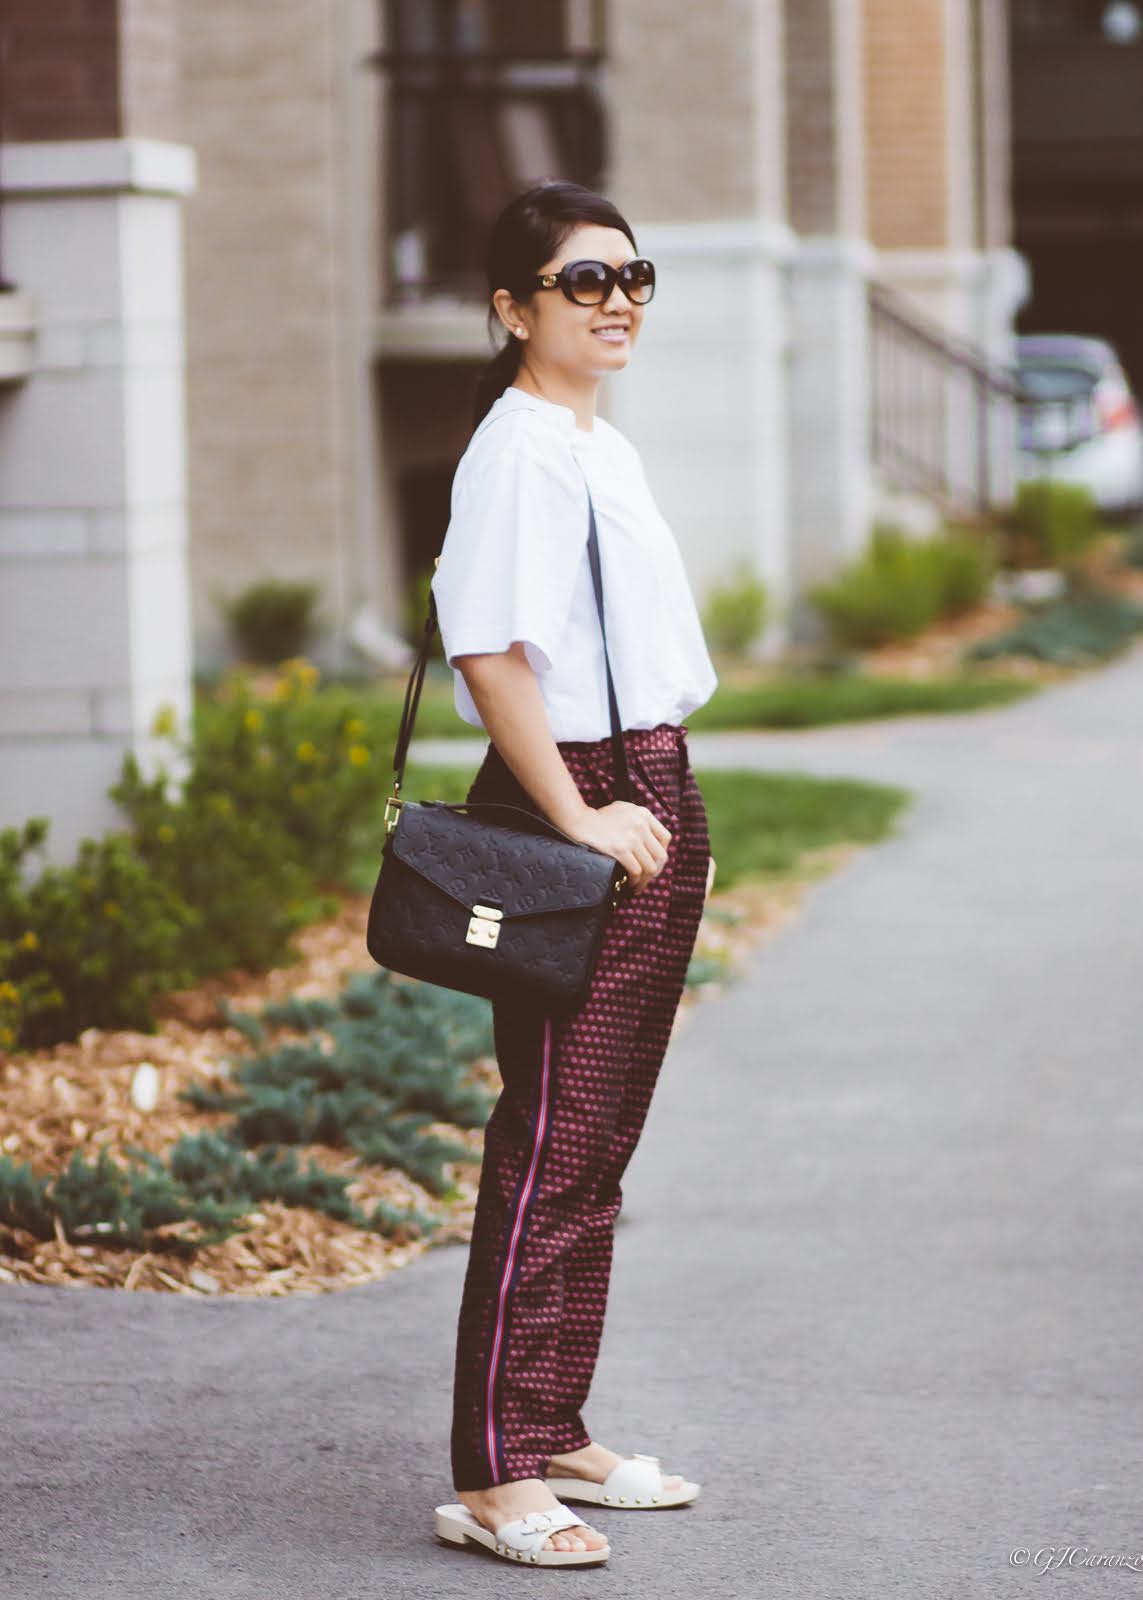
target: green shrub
299 764
963 563
89 945
888 593
277 794
240 868
416 609
271 620
899 585
199 1196
1051 524
735 611
1072 631
216 872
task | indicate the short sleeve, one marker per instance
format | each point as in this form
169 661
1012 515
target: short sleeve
511 554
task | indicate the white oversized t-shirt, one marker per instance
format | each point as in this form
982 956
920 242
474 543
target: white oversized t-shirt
514 565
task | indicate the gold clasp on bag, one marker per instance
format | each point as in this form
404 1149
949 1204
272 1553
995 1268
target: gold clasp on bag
392 805
484 926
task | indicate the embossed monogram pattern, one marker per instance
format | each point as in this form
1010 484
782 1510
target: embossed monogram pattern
576 1093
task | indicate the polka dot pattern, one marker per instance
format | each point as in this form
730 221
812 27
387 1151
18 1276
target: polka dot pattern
577 1088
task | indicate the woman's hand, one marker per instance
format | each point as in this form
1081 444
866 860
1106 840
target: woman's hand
632 834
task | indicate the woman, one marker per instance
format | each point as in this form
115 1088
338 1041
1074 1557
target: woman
519 625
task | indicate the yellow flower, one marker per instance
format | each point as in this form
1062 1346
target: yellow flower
112 908
302 669
30 940
9 991
164 721
253 719
354 728
165 832
306 751
7 1037
298 678
358 754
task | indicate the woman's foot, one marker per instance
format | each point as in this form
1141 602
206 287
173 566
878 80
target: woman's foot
594 1462
504 1502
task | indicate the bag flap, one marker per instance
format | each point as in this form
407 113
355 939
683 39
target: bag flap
477 861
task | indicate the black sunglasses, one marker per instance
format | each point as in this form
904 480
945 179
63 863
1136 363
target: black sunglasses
589 283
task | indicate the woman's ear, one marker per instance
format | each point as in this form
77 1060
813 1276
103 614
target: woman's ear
507 310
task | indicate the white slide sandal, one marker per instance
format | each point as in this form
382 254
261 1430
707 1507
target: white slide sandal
522 1539
636 1484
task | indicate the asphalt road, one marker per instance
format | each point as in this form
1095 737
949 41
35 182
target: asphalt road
877 1280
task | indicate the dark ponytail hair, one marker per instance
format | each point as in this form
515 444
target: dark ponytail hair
528 232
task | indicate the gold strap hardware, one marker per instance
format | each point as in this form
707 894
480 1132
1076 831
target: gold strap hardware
391 817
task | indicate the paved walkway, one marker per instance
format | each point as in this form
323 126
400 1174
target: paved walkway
878 1275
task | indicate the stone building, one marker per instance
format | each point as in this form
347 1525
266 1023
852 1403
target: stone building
268 371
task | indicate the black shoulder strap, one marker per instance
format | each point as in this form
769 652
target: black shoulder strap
623 790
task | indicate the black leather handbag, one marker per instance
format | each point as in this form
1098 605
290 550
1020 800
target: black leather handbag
487 897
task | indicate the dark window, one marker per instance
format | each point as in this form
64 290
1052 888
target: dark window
484 98
1111 21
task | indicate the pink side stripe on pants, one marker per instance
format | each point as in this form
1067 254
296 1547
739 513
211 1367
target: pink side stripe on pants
541 1124
576 1093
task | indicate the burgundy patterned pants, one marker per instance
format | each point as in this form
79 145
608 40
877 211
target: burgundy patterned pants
576 1092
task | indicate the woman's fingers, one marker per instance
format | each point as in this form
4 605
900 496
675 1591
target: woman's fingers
662 832
650 851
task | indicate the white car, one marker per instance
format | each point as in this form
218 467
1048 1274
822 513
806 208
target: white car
1079 421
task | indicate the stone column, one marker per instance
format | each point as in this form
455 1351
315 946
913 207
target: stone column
701 181
830 481
94 617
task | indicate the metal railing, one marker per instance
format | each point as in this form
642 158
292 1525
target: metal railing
944 417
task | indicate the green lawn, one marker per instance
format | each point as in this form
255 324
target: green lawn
807 702
761 823
793 701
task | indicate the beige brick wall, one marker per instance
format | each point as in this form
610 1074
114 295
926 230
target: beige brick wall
264 294
811 110
824 116
683 106
149 67
994 133
906 122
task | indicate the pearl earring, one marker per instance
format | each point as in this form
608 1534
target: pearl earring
519 331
